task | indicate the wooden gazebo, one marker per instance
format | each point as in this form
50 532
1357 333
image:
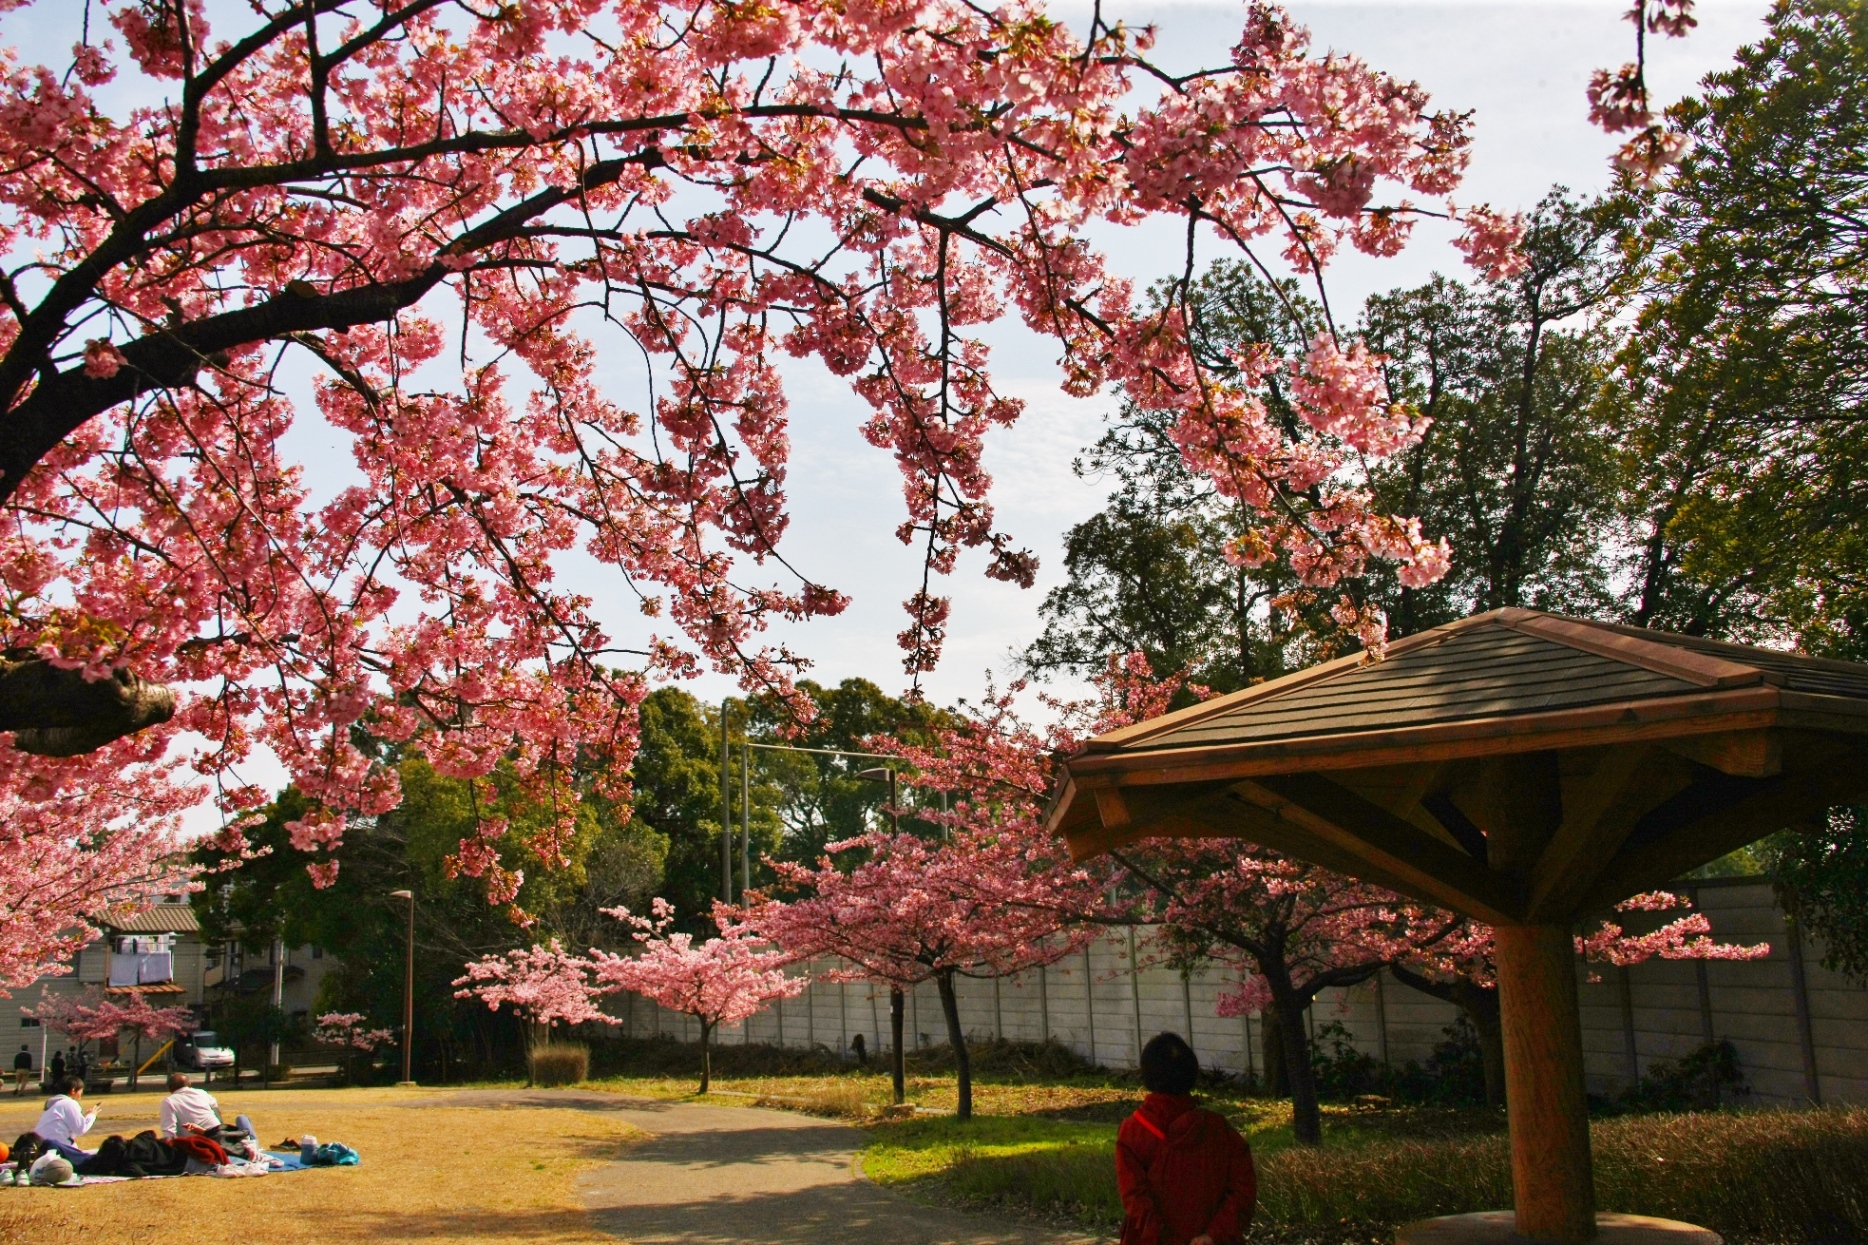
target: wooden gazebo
1519 767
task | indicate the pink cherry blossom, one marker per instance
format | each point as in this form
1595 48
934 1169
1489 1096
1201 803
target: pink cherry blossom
718 981
448 215
543 985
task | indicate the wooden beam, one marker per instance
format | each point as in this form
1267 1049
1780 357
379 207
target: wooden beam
1232 816
1517 801
1769 807
1745 754
1596 820
1111 809
1124 816
1331 814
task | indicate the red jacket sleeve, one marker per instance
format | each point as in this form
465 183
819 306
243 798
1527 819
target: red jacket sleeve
1141 1221
1234 1213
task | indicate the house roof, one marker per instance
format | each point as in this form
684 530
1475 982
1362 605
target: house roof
1720 743
162 918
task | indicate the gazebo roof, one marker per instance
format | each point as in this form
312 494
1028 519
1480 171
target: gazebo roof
1652 752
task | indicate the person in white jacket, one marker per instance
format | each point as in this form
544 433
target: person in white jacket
64 1121
189 1110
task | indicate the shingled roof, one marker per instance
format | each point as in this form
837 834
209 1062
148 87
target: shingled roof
1340 756
1506 664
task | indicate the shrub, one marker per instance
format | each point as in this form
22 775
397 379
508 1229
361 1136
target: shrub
1769 1176
560 1063
1454 1074
1698 1081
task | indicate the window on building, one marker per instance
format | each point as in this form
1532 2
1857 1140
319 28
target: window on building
28 1022
317 952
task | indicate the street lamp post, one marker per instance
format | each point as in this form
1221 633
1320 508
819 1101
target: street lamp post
408 993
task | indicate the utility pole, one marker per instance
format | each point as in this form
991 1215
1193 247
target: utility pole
278 1003
726 807
745 819
408 993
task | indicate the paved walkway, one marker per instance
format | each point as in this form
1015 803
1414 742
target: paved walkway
737 1175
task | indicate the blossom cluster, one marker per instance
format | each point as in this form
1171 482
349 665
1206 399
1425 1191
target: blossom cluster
447 213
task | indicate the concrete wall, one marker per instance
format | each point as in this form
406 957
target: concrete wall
1791 1051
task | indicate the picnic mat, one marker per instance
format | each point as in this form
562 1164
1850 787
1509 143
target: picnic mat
277 1161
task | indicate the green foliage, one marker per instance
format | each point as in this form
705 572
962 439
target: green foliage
1453 1074
560 1063
1821 879
1748 366
1700 1080
1518 468
611 861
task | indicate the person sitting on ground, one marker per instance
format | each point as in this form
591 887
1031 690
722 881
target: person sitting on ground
64 1121
22 1069
1184 1173
192 1112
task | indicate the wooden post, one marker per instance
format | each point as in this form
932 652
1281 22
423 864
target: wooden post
1546 1107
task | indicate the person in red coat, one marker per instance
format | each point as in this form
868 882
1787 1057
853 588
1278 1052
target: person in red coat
1185 1174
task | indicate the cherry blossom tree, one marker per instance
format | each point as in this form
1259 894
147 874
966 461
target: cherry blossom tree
96 1018
1290 931
901 910
444 211
543 985
347 1031
1459 969
719 981
82 839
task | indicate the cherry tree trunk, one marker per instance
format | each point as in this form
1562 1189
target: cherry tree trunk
1306 1117
706 1054
898 1059
956 1037
1479 1004
1271 1051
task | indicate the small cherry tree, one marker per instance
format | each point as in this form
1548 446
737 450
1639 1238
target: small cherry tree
910 910
543 985
719 981
347 1032
1459 969
96 1018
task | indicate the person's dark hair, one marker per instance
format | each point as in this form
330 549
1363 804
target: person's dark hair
71 1085
177 1080
1169 1065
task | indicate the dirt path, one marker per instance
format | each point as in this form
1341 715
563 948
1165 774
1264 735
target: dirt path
733 1175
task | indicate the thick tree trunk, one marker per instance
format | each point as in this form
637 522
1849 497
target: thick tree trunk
1491 1032
1306 1117
706 1055
956 1037
60 713
1271 1048
1479 1004
898 1058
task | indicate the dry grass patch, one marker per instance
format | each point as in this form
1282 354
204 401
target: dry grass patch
431 1172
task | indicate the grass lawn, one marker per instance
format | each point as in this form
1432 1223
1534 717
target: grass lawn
1044 1148
492 1175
